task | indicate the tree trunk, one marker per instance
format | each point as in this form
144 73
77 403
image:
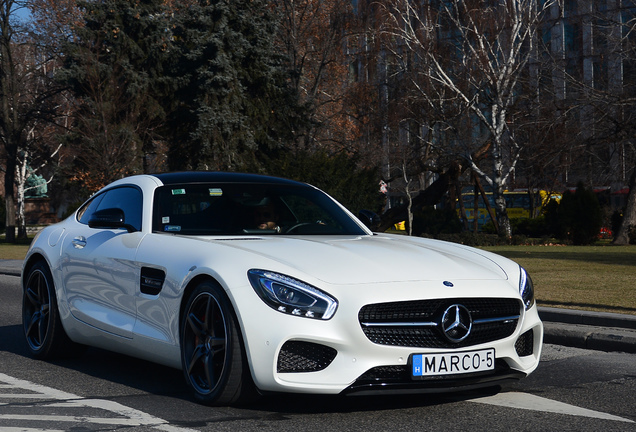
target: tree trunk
629 215
21 175
504 228
8 113
9 199
21 219
503 221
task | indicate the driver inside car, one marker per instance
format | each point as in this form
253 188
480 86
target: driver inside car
266 217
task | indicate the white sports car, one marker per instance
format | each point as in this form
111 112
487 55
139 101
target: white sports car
254 284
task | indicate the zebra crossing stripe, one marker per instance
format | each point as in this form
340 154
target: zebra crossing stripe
536 403
127 416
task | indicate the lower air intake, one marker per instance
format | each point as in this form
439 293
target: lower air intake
299 356
525 344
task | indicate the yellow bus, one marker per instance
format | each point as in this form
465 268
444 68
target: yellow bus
518 205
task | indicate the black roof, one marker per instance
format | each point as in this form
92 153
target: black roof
221 177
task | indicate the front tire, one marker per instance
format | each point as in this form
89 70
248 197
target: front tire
43 330
212 354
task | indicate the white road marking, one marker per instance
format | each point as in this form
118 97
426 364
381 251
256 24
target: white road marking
78 419
23 429
126 416
22 395
40 391
535 403
132 417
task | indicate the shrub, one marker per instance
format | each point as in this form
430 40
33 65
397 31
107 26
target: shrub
537 227
551 217
489 228
579 216
471 239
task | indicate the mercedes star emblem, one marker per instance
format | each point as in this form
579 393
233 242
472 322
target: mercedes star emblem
456 323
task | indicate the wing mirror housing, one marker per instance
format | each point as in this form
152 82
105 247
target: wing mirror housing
110 218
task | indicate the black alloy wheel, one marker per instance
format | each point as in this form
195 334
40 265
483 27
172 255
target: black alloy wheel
43 331
212 353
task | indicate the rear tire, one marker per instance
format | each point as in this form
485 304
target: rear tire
43 330
212 353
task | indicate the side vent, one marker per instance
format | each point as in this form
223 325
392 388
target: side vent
151 280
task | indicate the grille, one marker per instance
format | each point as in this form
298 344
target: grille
299 356
525 344
391 323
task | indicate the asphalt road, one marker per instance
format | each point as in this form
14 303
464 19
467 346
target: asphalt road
572 390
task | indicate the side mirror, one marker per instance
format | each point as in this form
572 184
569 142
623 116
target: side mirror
369 218
111 218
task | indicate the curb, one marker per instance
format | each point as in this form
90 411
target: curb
11 267
601 331
590 337
601 319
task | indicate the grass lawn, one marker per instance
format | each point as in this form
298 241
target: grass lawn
12 251
600 278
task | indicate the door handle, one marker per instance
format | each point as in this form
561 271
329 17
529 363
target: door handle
79 242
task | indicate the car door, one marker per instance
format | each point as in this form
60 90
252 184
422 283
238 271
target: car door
98 264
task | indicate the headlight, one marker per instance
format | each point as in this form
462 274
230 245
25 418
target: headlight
291 296
526 289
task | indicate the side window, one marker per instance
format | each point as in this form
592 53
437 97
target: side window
85 213
126 198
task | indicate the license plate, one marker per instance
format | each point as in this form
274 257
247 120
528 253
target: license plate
424 365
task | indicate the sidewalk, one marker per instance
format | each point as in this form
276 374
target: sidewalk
574 328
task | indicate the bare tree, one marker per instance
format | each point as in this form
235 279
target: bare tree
315 37
12 125
602 92
612 104
30 102
26 171
472 53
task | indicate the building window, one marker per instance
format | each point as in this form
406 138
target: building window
572 33
600 75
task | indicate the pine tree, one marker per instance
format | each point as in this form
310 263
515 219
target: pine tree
232 104
114 67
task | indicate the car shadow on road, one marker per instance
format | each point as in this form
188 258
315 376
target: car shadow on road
139 374
167 382
102 364
12 340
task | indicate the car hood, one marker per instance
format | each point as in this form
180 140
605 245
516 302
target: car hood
373 258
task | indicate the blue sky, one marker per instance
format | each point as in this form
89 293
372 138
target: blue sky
22 13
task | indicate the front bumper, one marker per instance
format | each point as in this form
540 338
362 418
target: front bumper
359 366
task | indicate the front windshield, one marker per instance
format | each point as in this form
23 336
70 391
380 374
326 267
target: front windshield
248 209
